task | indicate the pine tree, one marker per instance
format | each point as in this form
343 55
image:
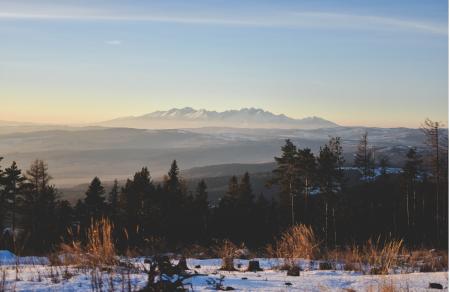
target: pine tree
230 198
95 200
306 167
113 200
438 156
364 157
245 193
39 207
411 171
173 183
286 176
383 162
327 171
13 186
3 202
201 206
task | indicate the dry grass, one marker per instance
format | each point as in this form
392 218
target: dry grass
99 250
297 242
382 256
375 257
227 250
426 260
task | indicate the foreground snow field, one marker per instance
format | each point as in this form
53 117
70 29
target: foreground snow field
37 275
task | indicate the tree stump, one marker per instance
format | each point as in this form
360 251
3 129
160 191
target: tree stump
325 266
253 266
228 264
293 271
182 264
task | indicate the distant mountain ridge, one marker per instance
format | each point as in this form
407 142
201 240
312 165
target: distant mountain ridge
188 117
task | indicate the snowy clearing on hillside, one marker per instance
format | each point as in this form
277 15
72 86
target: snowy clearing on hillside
43 277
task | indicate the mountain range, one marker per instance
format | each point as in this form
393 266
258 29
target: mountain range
188 117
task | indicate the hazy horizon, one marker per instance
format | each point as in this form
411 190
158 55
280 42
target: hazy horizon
82 123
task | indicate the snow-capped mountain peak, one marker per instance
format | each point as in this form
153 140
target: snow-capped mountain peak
189 117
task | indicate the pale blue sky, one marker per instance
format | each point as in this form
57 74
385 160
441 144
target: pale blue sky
372 63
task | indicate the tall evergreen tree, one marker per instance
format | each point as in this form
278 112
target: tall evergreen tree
437 143
13 186
411 171
230 198
364 157
95 200
3 202
173 182
306 167
201 207
245 193
113 200
39 208
286 176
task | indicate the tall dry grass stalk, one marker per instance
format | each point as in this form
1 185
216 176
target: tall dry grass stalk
383 256
100 244
99 249
226 250
298 242
374 257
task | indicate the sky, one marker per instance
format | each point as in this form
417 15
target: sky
373 63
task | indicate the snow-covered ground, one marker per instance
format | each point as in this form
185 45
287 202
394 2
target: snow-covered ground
39 276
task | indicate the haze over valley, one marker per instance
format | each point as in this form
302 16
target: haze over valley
115 149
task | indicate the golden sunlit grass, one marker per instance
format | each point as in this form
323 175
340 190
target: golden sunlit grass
99 249
298 242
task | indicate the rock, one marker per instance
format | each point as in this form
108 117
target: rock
435 286
253 266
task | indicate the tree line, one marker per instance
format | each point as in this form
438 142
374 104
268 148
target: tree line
313 189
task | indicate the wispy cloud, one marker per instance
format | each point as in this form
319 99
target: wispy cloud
301 19
113 42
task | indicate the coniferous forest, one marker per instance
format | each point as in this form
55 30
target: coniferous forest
314 189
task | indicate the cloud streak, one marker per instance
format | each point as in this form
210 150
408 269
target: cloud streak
301 19
113 42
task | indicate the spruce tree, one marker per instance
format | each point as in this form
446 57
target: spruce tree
39 207
411 172
95 200
113 200
13 187
201 207
364 157
307 168
245 193
3 201
286 176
